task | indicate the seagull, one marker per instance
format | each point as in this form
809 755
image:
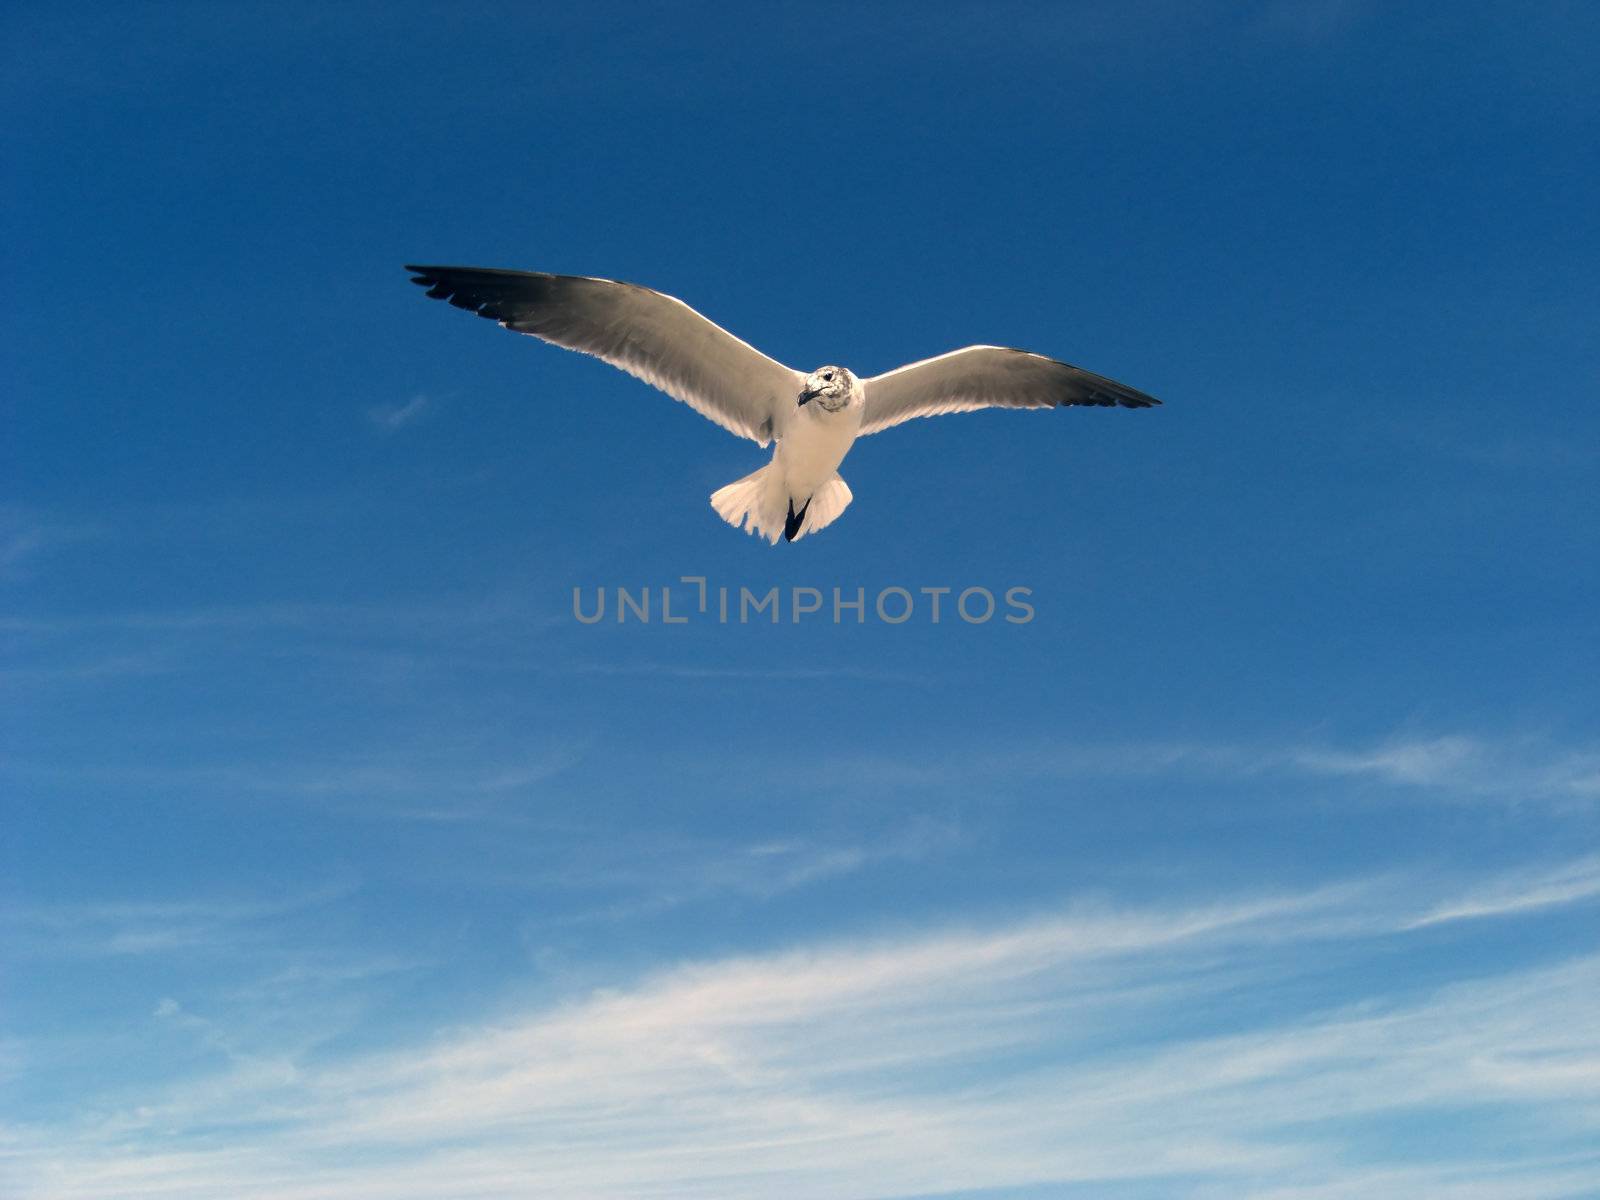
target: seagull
814 418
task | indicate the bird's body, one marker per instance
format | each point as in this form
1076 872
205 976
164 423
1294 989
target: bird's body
814 419
814 444
800 490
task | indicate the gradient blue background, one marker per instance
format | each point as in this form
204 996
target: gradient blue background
306 760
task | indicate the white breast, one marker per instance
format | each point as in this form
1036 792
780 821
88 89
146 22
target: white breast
814 445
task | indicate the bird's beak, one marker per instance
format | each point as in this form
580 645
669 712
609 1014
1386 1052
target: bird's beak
806 397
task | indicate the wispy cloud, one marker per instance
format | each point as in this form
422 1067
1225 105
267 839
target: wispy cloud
137 927
86 669
401 783
26 536
1171 1047
1568 883
1511 769
391 418
649 874
1445 766
446 635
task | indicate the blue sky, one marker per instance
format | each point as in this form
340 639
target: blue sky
341 860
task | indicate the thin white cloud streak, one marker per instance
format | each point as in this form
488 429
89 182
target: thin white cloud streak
1454 766
1090 1046
1556 1178
655 874
120 928
27 536
1569 883
1466 766
437 788
89 669
354 641
391 418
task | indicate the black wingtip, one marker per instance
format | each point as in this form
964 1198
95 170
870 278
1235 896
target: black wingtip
486 293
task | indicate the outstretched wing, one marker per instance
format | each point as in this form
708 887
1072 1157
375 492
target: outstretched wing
653 336
987 377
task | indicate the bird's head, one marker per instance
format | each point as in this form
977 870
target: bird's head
831 387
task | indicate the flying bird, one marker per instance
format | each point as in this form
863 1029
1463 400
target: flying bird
814 418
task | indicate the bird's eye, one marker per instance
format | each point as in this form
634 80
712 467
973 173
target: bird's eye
828 375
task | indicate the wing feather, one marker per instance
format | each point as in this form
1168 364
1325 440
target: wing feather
646 333
987 377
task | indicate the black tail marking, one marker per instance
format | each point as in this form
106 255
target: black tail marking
792 523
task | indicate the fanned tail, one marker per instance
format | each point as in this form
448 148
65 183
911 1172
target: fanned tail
826 503
760 504
756 503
